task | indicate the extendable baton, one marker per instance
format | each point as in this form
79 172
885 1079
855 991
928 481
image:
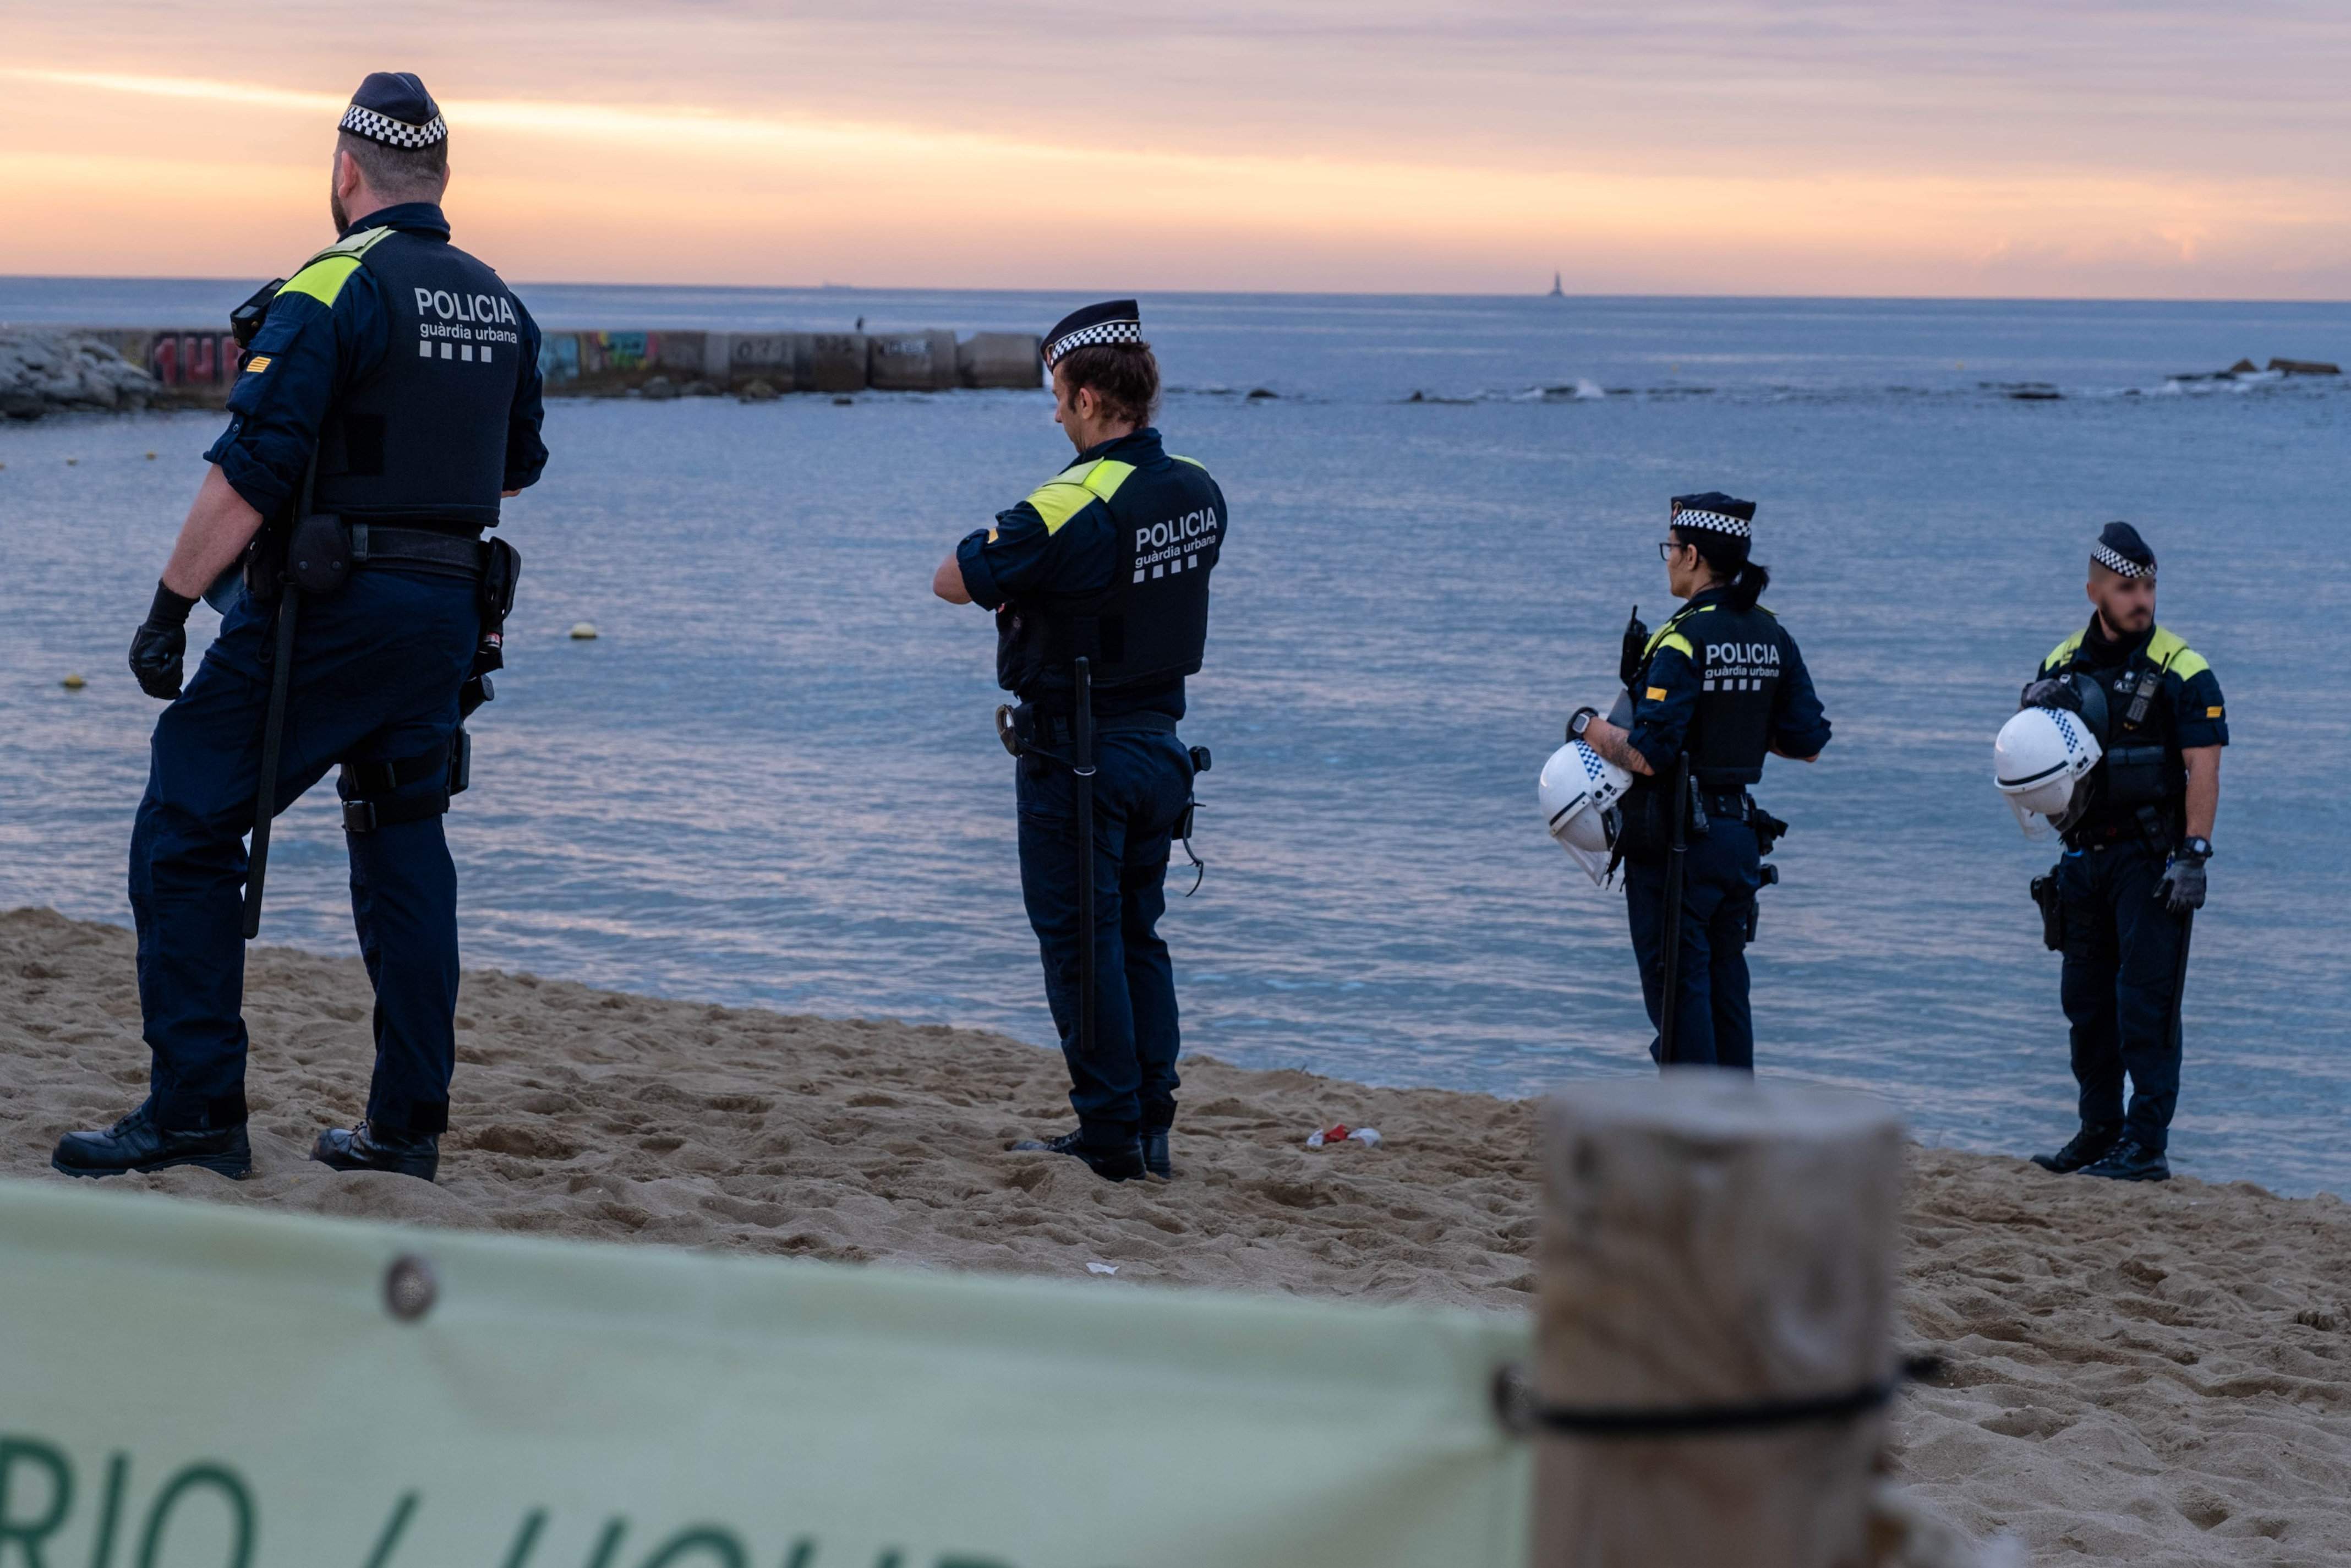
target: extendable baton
273 724
1081 763
1677 848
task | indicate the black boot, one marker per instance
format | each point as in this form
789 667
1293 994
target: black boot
1154 1153
357 1148
137 1143
2131 1161
1117 1163
2087 1147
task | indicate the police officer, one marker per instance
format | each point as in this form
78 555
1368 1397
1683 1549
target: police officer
393 385
1720 685
1107 561
2132 875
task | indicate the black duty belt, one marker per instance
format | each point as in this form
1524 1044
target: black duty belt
1053 728
376 544
1732 805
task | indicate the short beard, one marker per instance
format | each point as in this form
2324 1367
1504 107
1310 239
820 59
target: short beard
335 210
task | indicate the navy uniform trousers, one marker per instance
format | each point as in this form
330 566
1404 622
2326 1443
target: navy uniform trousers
2123 951
1720 872
1141 782
376 672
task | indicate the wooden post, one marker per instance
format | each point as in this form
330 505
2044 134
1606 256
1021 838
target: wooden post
1709 1242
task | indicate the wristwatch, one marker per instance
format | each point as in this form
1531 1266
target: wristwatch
1580 721
2195 850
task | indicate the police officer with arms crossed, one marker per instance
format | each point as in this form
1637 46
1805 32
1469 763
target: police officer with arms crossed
1107 563
392 384
2132 875
1720 685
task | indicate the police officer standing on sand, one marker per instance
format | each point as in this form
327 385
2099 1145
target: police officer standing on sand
1720 684
388 398
1099 585
2132 875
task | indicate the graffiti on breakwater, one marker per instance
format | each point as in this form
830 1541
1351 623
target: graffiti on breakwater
191 359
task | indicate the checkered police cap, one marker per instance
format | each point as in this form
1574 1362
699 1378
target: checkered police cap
2121 552
392 108
1112 321
1715 512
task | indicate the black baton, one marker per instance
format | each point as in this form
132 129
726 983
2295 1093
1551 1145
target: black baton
1677 846
273 722
1081 763
272 733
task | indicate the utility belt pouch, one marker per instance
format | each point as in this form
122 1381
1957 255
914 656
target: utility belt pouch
1769 828
461 761
318 554
264 564
2053 911
501 575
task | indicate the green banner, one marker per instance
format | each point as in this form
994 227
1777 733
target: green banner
190 1386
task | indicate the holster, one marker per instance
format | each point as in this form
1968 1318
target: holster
2053 911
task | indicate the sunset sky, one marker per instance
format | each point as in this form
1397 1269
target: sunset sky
1997 148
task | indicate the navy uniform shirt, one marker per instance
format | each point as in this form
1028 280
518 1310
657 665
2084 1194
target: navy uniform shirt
1662 709
308 350
2189 712
1071 553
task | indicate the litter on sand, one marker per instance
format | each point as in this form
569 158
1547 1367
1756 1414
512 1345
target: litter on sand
1343 1134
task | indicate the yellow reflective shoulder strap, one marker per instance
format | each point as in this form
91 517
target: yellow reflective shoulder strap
323 280
1075 488
2171 654
2063 652
1669 634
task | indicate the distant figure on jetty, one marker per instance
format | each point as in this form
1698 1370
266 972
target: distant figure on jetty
2123 898
1099 585
1719 687
393 382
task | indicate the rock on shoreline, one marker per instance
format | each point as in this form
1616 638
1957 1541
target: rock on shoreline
44 372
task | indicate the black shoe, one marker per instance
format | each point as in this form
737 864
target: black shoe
2131 1161
137 1143
358 1149
2087 1147
1154 1153
1110 1164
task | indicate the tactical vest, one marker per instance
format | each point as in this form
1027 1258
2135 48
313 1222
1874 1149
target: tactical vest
2141 769
1149 624
423 435
1740 656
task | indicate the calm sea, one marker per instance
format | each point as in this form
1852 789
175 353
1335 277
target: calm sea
773 780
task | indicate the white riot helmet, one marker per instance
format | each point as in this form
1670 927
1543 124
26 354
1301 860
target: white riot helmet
2038 762
1580 789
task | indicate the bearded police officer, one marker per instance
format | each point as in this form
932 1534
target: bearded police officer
390 397
2132 876
1099 585
1718 686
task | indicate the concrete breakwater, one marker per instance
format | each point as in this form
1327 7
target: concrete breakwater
187 366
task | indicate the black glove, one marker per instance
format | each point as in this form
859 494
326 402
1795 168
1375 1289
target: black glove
2182 887
157 646
2050 691
1636 645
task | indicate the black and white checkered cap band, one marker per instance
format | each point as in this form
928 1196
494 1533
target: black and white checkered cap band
1720 522
1100 332
394 132
2120 565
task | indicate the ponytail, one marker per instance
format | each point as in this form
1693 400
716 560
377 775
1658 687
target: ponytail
1742 580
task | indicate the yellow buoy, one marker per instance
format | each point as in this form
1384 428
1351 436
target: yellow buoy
73 683
583 632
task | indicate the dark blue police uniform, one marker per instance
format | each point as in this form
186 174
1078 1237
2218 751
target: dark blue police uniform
412 371
2124 950
1722 686
1111 559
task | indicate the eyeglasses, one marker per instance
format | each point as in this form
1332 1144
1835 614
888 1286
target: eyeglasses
1667 547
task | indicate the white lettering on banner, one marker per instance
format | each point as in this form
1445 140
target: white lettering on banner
802 1414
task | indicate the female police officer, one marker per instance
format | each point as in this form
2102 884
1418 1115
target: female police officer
1720 685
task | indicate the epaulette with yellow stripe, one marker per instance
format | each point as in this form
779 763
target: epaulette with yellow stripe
323 276
1075 488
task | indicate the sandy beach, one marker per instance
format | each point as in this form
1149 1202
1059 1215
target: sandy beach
2135 1376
